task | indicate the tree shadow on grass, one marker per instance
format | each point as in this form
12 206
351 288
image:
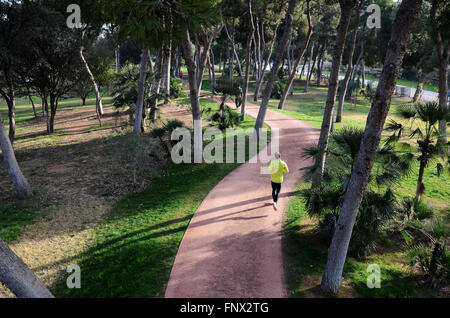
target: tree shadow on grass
135 247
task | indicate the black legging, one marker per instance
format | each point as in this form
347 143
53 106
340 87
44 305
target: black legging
276 188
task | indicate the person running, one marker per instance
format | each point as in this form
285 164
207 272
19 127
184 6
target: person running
277 168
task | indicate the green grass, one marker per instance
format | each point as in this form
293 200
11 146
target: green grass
13 219
401 82
24 111
304 264
136 245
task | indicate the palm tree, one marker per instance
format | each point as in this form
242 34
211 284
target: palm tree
379 202
426 134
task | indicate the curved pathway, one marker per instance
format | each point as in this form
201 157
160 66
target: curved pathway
232 247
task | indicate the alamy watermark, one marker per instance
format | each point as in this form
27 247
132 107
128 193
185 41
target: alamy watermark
74 279
229 148
374 278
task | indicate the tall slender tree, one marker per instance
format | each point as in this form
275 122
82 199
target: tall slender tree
439 15
276 64
19 181
349 72
401 30
287 89
346 11
247 58
18 277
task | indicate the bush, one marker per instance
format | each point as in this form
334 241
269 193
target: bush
277 90
377 207
224 118
417 210
176 88
125 88
375 210
225 86
163 134
369 92
439 229
422 211
282 73
433 262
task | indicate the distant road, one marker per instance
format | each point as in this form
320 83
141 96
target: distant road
427 96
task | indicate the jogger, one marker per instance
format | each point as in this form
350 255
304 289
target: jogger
277 168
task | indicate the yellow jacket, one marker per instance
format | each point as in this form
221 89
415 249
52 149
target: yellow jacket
277 168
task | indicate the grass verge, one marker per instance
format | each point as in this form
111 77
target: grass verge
135 246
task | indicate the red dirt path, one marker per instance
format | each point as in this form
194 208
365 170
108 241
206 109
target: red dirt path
232 247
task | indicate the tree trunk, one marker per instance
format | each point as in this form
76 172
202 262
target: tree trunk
195 99
258 52
98 98
53 107
247 59
165 78
32 102
442 50
288 55
21 185
12 118
210 76
117 53
303 67
230 64
236 56
141 91
312 70
349 72
299 58
203 57
355 72
401 29
419 89
18 277
159 68
308 75
346 11
213 62
363 74
319 66
45 110
260 79
420 186
10 98
280 54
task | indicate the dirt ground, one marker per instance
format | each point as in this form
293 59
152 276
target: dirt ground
77 175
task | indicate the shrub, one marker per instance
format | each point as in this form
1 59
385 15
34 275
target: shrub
227 89
224 118
377 207
277 90
176 88
125 88
439 229
433 262
163 134
369 92
412 209
422 211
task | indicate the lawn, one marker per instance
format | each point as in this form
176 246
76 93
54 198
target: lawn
135 247
402 82
305 256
